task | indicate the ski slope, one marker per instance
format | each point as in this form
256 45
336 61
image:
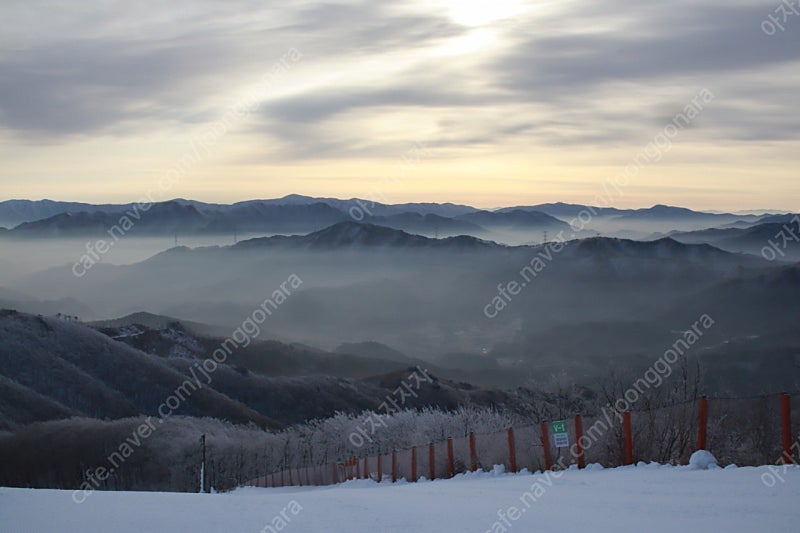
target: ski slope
649 498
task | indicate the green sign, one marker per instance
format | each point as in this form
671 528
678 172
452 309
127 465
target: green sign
560 435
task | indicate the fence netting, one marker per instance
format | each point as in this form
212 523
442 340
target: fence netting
741 431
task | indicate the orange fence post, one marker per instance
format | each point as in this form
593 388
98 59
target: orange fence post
451 462
579 441
394 466
413 464
512 450
473 453
702 427
786 424
626 417
546 445
431 461
380 467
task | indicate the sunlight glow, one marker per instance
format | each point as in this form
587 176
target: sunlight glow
482 12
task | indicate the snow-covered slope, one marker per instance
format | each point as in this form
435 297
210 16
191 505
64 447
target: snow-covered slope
642 498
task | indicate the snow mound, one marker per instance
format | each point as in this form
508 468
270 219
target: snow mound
703 460
498 470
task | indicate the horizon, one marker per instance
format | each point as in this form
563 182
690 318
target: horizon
485 208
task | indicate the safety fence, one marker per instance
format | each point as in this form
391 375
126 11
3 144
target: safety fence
742 431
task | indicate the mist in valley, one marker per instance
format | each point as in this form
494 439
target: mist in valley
497 314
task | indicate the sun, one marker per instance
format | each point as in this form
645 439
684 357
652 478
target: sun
481 12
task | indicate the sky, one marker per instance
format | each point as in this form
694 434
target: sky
488 103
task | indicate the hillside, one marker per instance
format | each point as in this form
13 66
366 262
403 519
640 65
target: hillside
82 371
51 369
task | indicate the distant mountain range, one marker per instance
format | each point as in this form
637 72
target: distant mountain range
303 214
192 218
665 212
752 239
655 213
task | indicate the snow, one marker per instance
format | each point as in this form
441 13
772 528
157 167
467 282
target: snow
127 331
703 460
646 497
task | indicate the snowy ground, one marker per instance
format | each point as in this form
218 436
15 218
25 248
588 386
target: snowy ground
643 498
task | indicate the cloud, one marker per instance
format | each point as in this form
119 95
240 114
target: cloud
577 73
683 40
646 60
153 69
85 87
606 73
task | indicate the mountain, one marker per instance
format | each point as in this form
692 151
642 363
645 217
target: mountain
265 217
566 211
756 303
366 208
22 405
265 357
753 239
518 219
186 217
14 212
158 322
428 224
359 235
419 296
641 223
52 369
374 350
161 219
294 214
661 213
11 299
786 218
86 372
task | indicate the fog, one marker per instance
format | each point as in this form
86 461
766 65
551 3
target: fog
21 257
461 303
